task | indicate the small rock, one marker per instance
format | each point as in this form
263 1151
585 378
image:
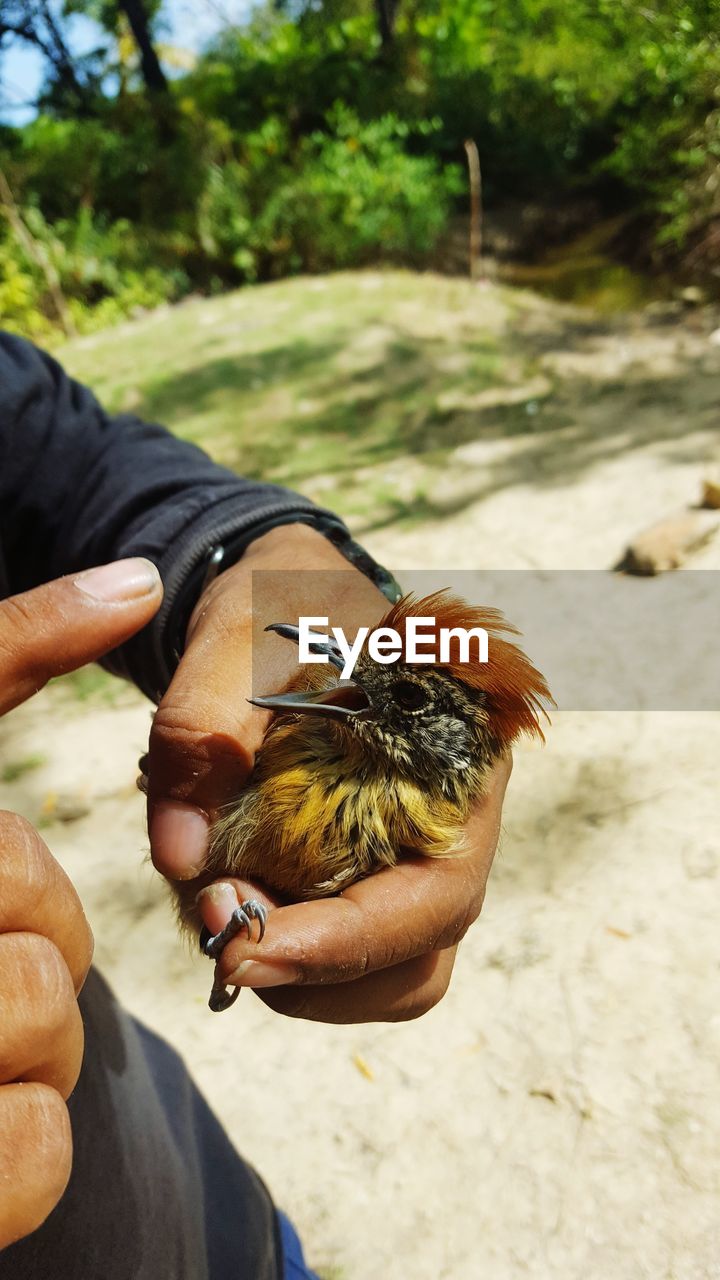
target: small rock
667 544
662 312
714 338
711 490
72 808
692 296
65 806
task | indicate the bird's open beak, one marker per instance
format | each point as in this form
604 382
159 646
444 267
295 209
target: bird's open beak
343 701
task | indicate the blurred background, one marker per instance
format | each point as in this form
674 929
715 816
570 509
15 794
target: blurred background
254 226
157 148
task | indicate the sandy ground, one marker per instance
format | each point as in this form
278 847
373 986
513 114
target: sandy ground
558 1115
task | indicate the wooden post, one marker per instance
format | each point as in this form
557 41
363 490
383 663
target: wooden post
473 161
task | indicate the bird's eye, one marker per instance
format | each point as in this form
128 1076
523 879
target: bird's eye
409 695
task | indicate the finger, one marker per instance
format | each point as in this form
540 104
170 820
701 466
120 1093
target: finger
66 623
218 901
204 736
41 1031
398 994
421 905
37 897
35 1157
205 732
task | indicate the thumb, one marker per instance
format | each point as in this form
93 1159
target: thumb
66 623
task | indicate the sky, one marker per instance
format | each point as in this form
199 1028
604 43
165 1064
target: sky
188 24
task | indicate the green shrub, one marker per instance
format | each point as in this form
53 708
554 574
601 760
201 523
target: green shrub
341 198
105 272
22 305
124 164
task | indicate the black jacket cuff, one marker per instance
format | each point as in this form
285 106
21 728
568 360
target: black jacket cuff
151 658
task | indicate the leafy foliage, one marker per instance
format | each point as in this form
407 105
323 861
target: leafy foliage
340 198
305 142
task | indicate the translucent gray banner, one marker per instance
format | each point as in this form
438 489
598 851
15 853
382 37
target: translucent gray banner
604 641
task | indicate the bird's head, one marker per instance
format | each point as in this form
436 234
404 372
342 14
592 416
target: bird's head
446 720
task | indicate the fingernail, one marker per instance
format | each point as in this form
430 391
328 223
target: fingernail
123 580
255 973
179 839
220 894
217 903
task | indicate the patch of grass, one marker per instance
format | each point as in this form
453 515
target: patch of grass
359 389
16 769
89 684
310 377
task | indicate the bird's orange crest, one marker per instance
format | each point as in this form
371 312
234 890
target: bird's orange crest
515 689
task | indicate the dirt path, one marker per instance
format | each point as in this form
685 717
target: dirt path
558 1115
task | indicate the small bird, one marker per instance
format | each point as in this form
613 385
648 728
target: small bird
353 773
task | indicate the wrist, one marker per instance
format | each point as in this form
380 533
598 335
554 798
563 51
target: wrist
294 541
289 551
293 546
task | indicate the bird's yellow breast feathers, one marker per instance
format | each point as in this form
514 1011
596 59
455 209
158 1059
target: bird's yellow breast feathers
312 821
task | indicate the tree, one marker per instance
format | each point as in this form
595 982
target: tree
386 11
34 22
114 16
152 72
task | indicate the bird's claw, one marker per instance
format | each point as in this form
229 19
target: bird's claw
221 997
213 945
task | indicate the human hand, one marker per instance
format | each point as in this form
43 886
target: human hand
45 940
384 949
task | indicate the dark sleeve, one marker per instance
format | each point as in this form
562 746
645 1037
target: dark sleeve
156 1191
79 488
